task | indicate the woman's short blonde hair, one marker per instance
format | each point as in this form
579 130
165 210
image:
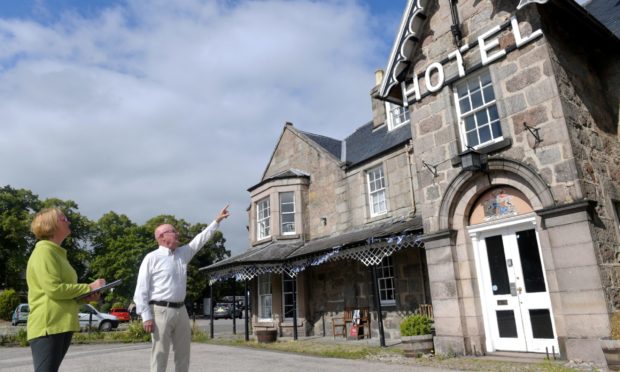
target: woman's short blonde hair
45 223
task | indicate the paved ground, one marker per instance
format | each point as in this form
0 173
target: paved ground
205 357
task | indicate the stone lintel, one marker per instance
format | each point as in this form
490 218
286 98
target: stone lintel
557 215
439 239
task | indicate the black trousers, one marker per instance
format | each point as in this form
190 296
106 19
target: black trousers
49 351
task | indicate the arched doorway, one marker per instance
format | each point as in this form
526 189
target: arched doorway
514 291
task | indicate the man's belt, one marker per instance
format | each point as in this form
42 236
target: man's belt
166 303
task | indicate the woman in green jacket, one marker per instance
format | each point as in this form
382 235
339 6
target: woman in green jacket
52 288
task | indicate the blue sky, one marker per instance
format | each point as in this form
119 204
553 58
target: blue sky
174 107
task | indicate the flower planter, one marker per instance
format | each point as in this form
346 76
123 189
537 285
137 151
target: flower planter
266 336
416 345
611 349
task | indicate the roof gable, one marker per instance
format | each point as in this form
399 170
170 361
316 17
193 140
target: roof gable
312 142
407 40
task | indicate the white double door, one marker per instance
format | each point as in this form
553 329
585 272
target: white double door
514 291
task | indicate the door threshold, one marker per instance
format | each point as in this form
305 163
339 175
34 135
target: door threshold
519 356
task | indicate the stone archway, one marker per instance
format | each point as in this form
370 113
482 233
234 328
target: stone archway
467 186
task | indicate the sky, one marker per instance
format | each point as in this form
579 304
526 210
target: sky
174 107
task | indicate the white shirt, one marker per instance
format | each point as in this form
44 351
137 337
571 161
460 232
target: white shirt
163 273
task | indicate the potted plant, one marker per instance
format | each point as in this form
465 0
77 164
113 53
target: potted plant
611 345
415 333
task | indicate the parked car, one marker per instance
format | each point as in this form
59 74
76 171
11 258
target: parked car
20 315
121 313
99 320
225 311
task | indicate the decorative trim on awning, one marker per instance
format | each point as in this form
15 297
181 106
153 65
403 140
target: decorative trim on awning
369 253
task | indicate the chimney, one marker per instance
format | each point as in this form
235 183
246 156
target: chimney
378 106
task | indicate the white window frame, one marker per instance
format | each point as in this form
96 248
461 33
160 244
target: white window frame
285 304
385 281
484 84
265 304
263 222
396 116
282 214
377 191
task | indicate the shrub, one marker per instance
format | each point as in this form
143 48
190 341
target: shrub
118 304
415 325
105 308
9 299
615 326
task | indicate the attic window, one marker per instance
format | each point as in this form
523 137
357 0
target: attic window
397 116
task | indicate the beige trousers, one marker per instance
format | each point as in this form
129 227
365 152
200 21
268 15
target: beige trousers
171 328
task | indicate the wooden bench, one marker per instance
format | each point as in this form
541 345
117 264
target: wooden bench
339 324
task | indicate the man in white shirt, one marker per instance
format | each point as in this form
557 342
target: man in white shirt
160 294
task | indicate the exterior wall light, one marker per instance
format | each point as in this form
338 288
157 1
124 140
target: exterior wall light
472 160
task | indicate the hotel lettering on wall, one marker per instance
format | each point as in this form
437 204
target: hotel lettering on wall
433 79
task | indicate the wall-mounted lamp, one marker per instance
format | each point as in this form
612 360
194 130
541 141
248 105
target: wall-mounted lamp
534 132
433 168
472 160
324 221
456 23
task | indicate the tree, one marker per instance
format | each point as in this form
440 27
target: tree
17 207
119 245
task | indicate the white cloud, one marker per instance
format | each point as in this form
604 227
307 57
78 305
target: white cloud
175 106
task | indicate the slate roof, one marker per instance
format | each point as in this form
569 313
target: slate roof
332 145
366 143
282 251
607 12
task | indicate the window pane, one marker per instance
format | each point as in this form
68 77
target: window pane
497 265
476 99
385 280
485 79
472 138
488 94
476 95
541 323
485 134
286 197
287 213
376 191
464 104
481 118
530 262
497 129
461 90
493 113
470 123
506 323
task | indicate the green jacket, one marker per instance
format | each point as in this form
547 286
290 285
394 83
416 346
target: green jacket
52 287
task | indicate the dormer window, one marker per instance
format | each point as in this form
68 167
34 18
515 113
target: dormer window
263 219
397 116
287 213
477 112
